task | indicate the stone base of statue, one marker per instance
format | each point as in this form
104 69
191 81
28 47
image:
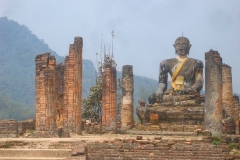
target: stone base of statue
178 115
177 112
172 118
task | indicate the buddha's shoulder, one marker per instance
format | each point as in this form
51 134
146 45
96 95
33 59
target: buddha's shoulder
172 60
198 62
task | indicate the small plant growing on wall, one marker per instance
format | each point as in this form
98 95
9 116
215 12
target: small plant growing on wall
216 141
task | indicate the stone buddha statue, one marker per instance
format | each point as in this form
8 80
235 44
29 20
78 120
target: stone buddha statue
186 78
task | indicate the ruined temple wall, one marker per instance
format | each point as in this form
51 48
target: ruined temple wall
13 128
45 92
73 88
227 92
8 128
59 91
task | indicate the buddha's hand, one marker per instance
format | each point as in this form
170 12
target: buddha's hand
159 95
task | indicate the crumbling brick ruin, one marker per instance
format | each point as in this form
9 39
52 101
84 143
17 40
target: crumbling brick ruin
109 94
236 113
73 87
227 93
12 128
229 102
59 91
45 92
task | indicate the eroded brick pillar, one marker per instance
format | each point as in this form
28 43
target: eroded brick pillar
45 92
113 106
78 44
227 93
213 93
66 99
109 97
59 95
236 112
73 88
127 97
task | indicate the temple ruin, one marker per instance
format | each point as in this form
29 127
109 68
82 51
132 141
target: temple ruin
59 91
178 125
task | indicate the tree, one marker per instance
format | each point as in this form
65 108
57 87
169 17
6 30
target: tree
143 93
93 103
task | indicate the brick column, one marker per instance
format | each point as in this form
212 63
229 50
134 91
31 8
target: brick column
113 104
45 92
236 112
213 93
109 96
78 44
227 93
106 113
69 89
127 97
73 88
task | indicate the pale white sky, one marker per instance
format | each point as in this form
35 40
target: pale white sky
144 29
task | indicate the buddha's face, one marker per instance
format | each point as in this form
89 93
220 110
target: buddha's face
182 46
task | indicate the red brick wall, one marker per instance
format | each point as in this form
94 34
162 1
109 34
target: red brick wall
45 92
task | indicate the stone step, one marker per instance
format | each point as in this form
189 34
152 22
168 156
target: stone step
35 152
34 158
166 156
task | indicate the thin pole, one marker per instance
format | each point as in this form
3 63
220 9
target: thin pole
112 41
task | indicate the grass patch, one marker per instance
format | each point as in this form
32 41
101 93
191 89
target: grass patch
216 141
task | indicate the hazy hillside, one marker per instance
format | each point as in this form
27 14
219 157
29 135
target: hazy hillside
18 48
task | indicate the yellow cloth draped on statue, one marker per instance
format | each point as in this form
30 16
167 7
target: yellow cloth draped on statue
178 81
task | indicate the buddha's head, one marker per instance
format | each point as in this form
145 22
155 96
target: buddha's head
182 46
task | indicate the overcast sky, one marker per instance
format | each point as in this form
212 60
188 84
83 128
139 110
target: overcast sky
145 30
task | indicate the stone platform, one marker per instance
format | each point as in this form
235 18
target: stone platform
178 115
124 146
